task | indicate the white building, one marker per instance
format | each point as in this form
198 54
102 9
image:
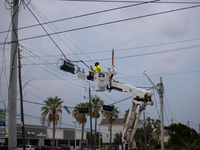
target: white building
42 135
117 127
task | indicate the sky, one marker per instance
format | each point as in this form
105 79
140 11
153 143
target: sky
159 37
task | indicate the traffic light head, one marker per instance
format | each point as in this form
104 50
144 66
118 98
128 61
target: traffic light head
83 110
108 107
68 67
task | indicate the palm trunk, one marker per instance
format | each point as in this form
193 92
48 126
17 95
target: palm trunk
95 136
82 136
110 135
53 142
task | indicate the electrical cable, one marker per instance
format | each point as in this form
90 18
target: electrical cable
169 108
105 23
118 1
40 60
145 54
88 14
47 33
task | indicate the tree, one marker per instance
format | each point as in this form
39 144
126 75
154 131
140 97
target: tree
111 116
51 112
118 138
96 103
181 134
157 125
149 129
80 118
194 145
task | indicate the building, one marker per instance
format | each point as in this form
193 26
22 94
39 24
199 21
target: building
42 135
166 136
117 126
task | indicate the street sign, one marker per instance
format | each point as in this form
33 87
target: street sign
2 125
68 111
2 140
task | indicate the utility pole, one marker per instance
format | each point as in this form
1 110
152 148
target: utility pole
160 90
145 138
12 140
172 121
74 135
90 119
188 123
99 137
21 100
199 128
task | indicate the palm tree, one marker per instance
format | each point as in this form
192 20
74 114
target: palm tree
51 112
80 118
96 103
111 116
156 125
149 128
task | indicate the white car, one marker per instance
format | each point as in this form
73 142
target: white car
28 147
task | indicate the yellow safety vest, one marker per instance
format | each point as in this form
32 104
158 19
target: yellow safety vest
97 69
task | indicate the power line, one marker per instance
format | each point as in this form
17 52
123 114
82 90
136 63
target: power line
118 1
84 15
47 33
106 23
144 54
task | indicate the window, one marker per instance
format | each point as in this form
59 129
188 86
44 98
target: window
108 128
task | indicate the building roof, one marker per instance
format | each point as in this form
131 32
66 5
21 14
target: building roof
117 121
165 133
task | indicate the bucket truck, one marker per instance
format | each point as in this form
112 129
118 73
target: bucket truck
141 98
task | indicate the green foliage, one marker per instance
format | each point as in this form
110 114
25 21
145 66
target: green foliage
80 118
192 146
51 111
118 138
180 134
111 116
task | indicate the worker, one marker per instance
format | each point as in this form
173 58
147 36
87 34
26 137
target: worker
97 68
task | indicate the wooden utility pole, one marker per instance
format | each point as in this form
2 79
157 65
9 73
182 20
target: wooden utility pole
21 100
145 138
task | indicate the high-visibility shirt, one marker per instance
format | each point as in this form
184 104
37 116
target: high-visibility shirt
97 69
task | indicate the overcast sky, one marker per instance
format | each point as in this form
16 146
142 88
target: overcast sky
161 38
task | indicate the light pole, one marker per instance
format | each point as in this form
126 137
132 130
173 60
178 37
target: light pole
160 90
75 135
90 116
99 138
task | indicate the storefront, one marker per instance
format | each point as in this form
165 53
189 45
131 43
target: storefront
34 135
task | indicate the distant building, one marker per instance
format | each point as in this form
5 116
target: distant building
42 135
117 127
166 136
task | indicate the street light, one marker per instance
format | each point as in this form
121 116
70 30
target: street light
99 138
75 135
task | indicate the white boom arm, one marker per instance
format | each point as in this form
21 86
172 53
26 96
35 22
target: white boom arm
141 98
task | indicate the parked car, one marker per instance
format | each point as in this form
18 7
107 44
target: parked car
64 146
45 147
38 148
57 148
28 147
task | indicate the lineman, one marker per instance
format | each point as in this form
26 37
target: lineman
97 68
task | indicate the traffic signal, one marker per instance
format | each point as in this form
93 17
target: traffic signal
68 67
108 107
83 110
